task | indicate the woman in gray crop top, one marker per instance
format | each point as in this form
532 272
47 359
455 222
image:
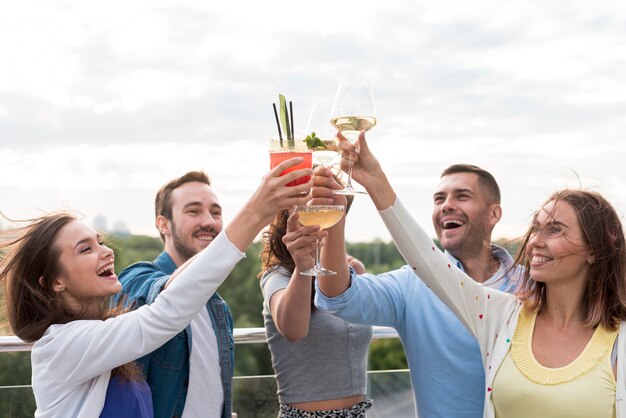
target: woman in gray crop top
320 361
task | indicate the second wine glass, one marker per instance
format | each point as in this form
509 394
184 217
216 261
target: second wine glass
353 112
318 123
325 216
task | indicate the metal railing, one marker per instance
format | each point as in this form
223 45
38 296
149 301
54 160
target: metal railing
11 343
253 396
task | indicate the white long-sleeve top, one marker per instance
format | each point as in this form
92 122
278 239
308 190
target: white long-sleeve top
490 315
72 362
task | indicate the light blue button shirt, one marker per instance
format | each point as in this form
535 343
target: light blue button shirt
446 366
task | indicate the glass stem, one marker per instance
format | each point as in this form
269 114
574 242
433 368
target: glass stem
317 253
349 183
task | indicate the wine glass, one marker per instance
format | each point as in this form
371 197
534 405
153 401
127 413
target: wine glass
318 123
353 112
325 216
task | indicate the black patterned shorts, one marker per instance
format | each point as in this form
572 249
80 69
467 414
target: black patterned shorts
356 411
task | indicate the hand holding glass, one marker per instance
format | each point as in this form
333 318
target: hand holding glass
283 150
325 216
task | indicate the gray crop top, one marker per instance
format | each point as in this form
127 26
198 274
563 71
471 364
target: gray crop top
329 363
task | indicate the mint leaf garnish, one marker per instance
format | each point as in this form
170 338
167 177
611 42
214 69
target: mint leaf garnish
313 141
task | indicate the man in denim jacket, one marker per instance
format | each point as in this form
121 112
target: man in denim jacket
189 377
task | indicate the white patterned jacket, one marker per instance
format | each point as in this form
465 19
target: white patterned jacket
489 314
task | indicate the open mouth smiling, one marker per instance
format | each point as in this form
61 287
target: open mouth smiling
107 270
205 237
539 259
452 224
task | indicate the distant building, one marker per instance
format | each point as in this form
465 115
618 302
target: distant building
100 223
120 228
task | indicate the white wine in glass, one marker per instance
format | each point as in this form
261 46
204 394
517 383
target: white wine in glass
350 126
325 216
353 112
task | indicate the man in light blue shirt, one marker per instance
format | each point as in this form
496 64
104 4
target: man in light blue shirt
446 368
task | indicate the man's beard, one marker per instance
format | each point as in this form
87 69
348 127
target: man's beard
474 240
183 250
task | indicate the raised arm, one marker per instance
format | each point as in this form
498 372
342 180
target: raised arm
333 254
271 196
291 307
84 349
366 170
470 301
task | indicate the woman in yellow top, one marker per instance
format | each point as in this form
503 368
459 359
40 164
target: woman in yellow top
550 350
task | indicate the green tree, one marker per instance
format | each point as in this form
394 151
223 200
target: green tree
130 249
243 293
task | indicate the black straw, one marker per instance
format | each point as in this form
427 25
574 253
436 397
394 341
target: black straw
293 137
280 136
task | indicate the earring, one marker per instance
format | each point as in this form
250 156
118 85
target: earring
62 288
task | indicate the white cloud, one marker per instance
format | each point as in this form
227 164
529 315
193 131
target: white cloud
103 102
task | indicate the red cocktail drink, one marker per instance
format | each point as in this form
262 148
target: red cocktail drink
290 149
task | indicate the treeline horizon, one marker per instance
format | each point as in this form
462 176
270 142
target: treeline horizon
242 292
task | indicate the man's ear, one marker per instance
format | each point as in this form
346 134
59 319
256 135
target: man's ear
495 215
163 225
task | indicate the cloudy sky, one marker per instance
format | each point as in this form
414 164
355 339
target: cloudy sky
103 102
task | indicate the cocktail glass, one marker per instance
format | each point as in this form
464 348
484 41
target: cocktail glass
325 216
281 150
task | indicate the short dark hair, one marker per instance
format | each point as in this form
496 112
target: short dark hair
487 182
163 203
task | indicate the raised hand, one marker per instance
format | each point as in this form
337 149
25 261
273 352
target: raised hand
356 264
324 182
301 242
365 166
366 170
273 194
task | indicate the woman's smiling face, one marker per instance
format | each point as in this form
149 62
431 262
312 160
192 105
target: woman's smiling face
557 249
86 275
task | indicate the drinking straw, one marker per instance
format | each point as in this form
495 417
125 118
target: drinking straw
291 117
280 136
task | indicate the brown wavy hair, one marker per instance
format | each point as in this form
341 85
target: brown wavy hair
30 263
275 252
605 295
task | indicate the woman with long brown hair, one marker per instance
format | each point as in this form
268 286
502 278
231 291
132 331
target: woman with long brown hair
57 274
320 361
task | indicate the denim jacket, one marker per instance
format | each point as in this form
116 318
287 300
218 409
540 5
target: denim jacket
167 368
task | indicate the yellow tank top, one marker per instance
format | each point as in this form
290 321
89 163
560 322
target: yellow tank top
585 388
